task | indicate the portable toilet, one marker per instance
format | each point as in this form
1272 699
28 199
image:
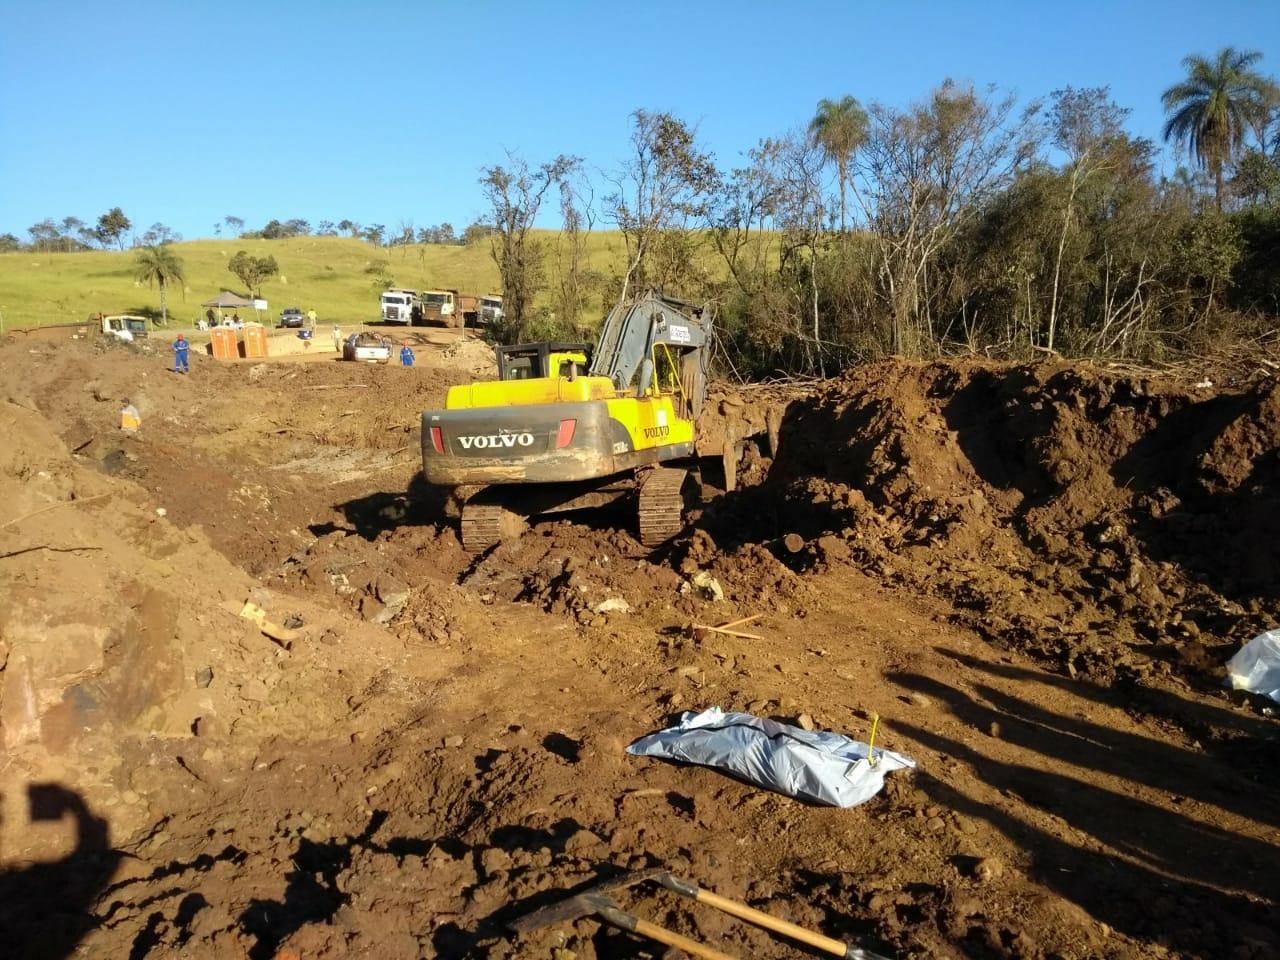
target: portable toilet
255 340
222 341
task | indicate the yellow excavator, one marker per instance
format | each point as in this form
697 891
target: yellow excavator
559 432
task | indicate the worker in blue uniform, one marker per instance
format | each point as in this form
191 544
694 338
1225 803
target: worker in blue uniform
406 355
180 350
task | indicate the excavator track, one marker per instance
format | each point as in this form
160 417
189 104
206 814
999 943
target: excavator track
661 505
486 524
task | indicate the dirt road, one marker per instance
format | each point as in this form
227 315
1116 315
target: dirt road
1032 575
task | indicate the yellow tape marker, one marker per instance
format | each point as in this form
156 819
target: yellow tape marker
871 743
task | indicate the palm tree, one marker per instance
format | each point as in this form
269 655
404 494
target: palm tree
160 266
1210 111
839 128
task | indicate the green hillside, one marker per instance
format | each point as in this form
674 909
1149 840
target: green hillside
328 274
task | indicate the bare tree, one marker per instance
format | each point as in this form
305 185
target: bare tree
923 173
577 219
769 228
404 236
1085 125
515 194
744 213
664 186
801 217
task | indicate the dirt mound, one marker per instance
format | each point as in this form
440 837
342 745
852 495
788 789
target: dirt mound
474 356
105 617
1102 522
570 568
123 658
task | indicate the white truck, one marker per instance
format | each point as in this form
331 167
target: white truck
367 347
123 326
489 310
399 305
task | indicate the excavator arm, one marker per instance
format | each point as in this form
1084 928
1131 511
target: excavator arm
636 338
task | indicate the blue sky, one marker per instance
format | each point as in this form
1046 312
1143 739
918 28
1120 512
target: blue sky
187 112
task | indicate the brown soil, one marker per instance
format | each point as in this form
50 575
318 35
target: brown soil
1032 574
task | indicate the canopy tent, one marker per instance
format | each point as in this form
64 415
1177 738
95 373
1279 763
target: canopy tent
226 300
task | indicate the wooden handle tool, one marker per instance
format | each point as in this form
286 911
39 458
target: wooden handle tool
834 947
643 928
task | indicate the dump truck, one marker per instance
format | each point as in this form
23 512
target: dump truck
489 310
626 426
447 308
399 305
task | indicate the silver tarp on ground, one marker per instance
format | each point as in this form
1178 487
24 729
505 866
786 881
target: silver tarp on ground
1256 666
819 765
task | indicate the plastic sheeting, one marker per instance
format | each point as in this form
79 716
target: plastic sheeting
819 766
1256 666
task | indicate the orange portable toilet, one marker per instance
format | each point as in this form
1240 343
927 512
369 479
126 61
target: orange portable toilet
255 340
223 342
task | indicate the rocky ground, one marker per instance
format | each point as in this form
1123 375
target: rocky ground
1032 575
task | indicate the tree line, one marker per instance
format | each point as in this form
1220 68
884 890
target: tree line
112 231
71 234
377 234
965 221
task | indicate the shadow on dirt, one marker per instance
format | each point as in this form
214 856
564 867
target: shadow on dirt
566 748
1225 735
997 434
779 502
1142 888
829 893
1219 460
201 864
453 940
422 505
150 934
45 907
314 894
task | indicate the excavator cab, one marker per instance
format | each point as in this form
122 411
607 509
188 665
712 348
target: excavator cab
530 361
561 441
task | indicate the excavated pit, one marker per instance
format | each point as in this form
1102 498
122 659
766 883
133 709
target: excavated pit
1032 575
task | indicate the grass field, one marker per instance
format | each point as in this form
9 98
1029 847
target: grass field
328 274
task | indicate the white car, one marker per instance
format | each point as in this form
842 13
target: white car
366 348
